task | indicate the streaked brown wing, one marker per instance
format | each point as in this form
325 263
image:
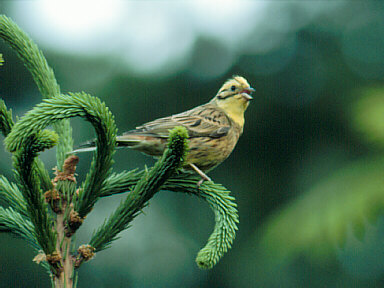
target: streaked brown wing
203 121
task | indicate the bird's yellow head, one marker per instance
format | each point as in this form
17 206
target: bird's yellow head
233 97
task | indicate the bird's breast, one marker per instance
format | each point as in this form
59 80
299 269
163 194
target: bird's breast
207 152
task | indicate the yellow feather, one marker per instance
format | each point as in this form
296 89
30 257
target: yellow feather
235 109
236 105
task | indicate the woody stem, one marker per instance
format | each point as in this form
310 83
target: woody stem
63 244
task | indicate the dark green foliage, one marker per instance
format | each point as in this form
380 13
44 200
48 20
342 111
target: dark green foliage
45 180
219 199
120 182
149 183
12 221
226 217
42 74
20 226
64 130
11 195
67 106
6 122
31 56
26 174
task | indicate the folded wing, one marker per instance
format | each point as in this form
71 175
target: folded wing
203 121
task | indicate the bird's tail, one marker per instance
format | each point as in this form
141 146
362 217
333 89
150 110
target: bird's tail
85 147
120 142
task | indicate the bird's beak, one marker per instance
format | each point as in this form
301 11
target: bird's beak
247 93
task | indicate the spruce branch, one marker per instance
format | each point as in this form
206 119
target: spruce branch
31 56
226 219
26 174
217 196
67 106
11 195
42 74
19 225
224 208
150 183
6 121
6 124
122 182
65 145
45 180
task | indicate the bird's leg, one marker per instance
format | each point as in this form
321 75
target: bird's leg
204 176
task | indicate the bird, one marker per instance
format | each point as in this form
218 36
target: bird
214 129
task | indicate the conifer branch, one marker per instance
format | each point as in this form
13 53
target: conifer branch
224 208
11 195
148 185
43 75
122 182
65 144
19 225
31 56
6 124
63 107
217 196
11 192
226 219
6 121
26 174
45 180
1 59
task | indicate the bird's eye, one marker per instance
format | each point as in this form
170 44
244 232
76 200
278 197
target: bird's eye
233 88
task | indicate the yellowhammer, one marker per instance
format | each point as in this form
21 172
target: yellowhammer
214 129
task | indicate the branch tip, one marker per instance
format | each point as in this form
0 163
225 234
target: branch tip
39 258
86 251
54 260
70 163
73 223
69 169
52 197
178 140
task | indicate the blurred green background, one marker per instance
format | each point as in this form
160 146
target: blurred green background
307 174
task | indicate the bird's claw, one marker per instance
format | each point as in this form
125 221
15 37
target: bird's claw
205 178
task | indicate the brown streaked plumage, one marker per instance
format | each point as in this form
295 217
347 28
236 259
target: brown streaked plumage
214 129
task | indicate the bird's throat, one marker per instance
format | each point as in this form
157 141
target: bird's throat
235 111
237 117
